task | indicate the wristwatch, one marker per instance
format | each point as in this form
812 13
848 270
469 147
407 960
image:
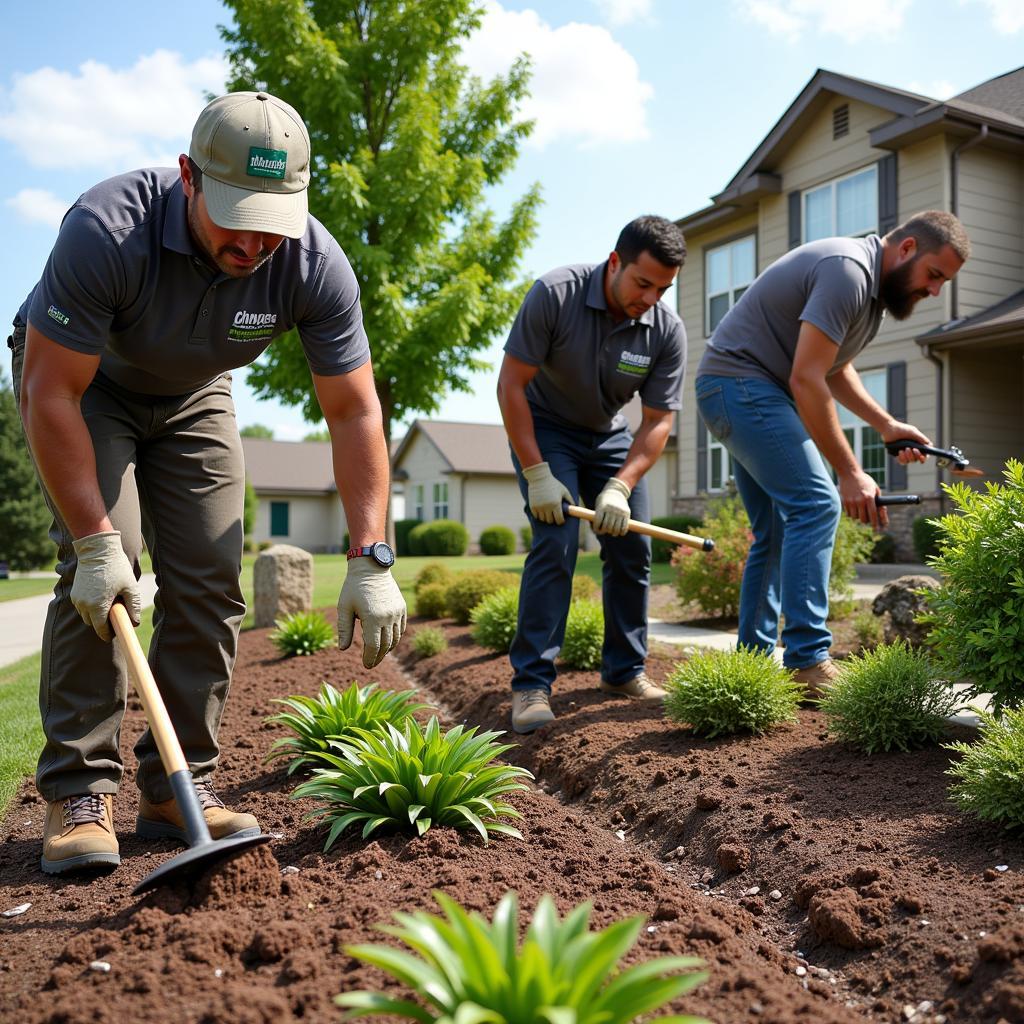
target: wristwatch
380 552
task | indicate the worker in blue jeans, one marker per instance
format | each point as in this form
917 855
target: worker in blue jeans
766 389
585 341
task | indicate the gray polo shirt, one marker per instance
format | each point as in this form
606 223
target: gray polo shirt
125 282
589 366
832 283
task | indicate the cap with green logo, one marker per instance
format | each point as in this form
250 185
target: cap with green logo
253 150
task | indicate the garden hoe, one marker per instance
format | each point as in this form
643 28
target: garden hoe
945 458
203 850
657 532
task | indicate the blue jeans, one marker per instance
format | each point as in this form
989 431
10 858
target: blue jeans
584 461
794 511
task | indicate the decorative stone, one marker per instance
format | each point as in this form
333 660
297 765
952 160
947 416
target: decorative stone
900 598
282 583
17 911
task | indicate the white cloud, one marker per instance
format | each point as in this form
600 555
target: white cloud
1007 15
851 20
37 206
622 12
584 88
937 89
112 119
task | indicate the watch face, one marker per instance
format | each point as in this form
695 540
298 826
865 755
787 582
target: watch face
383 555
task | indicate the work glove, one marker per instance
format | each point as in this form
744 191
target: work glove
611 510
103 575
545 494
371 595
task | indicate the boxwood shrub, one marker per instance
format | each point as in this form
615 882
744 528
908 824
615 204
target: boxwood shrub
439 537
403 527
468 589
494 619
584 636
497 540
432 572
432 600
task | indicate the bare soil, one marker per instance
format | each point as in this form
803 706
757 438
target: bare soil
818 884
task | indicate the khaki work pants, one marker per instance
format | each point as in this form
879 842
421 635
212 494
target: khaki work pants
171 472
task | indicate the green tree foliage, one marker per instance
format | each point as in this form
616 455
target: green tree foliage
405 142
257 430
24 518
318 435
249 508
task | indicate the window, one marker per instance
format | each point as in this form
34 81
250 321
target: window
866 442
279 519
440 501
846 206
719 465
728 271
417 502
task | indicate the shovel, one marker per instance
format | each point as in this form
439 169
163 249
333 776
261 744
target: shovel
203 850
658 532
950 458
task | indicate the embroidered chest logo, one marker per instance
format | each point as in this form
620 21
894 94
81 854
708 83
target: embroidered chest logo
634 363
250 327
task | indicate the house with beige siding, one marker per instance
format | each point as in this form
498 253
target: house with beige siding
851 157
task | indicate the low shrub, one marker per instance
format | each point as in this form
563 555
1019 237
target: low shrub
439 537
411 779
854 543
467 969
926 535
868 627
497 540
889 699
432 601
432 572
403 527
661 550
712 578
468 589
584 588
302 633
884 551
584 636
494 619
990 772
334 715
526 536
428 642
718 693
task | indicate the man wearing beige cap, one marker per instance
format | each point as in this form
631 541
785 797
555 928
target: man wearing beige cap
160 283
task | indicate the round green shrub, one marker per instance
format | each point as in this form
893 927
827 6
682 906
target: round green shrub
661 550
432 572
494 619
403 527
718 693
497 540
584 588
526 536
429 641
432 600
439 537
584 636
889 699
468 589
926 534
302 633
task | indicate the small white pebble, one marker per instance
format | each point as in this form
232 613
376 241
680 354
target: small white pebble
924 921
100 965
982 935
378 875
800 971
651 929
775 895
752 891
218 973
909 1012
276 835
289 869
1002 867
670 867
925 1006
18 910
756 1009
620 835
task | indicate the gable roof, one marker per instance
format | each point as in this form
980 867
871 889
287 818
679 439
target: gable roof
1002 319
465 447
288 467
1004 93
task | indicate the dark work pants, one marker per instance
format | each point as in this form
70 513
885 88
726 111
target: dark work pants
171 471
584 461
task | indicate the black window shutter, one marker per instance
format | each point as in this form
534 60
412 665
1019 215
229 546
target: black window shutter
896 388
888 212
794 220
702 454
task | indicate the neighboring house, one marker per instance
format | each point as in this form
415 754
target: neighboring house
851 157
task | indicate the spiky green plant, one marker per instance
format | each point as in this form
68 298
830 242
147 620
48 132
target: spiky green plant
471 971
414 778
302 633
333 715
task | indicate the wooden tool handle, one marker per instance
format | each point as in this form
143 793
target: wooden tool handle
658 532
145 685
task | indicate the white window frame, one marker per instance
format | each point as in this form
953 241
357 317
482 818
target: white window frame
734 286
858 433
440 494
833 184
417 501
714 447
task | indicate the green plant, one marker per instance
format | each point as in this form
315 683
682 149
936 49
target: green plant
439 537
468 589
854 543
718 693
926 535
494 619
712 578
991 770
432 600
432 572
661 550
497 540
428 642
403 527
302 633
888 698
415 778
334 715
977 615
471 971
868 627
526 536
584 635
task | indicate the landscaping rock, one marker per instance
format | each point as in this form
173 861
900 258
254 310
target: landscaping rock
282 583
900 599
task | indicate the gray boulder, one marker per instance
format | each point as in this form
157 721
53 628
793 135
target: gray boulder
282 581
900 598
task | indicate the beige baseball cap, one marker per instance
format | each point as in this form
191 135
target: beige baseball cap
253 150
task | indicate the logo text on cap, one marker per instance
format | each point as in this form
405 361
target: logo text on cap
266 163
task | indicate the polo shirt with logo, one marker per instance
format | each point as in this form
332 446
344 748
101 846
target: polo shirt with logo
589 366
126 282
832 283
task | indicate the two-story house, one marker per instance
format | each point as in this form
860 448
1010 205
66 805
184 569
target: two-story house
851 157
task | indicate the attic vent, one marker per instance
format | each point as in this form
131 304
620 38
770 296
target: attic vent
841 121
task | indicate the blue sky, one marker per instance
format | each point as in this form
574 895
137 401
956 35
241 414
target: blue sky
642 106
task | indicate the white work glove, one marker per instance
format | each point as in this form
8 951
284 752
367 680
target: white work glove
103 575
611 510
546 494
371 595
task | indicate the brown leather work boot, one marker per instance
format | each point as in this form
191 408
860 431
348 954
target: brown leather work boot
817 678
638 688
79 834
164 820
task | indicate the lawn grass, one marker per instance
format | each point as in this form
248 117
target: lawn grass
25 586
